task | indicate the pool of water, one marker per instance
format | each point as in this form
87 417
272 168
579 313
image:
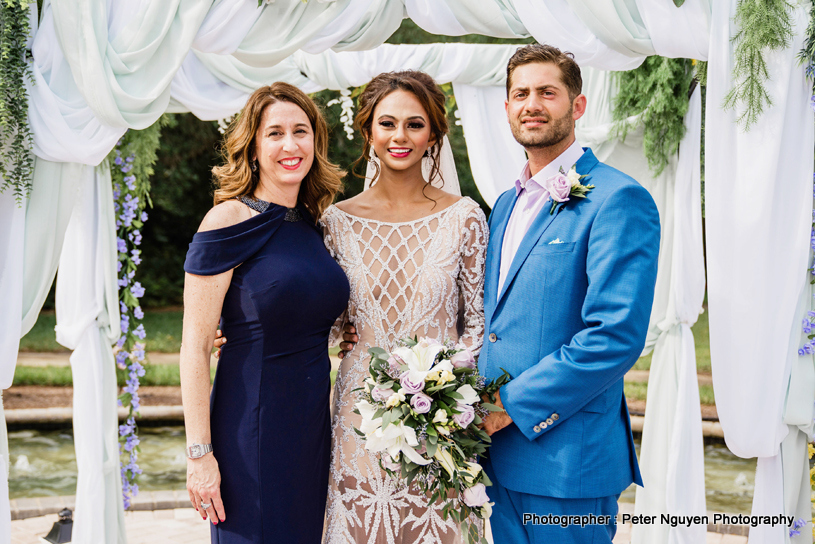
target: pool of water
43 463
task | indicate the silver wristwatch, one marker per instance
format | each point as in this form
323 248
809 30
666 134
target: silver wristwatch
198 450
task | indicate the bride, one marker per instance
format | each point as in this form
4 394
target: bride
414 256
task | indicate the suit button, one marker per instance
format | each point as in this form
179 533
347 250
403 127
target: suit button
550 421
543 425
536 429
493 338
555 417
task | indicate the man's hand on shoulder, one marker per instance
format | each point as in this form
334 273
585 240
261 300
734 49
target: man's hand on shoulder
495 421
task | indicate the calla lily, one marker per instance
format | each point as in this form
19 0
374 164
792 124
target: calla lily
394 439
445 459
369 423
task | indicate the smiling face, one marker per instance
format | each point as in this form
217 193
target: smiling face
400 132
540 112
284 145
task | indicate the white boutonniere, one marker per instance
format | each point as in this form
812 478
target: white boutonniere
564 185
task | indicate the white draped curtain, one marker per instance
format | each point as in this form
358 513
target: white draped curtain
104 66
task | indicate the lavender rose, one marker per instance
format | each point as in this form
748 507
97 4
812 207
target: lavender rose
410 386
390 464
466 415
421 403
381 395
463 359
475 496
559 188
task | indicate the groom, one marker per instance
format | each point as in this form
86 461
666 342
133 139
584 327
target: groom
568 294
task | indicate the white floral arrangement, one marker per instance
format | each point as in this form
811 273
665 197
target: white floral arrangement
421 411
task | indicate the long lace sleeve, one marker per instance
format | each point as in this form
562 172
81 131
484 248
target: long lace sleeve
475 236
335 336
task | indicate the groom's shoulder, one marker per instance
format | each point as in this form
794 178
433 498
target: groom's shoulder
612 183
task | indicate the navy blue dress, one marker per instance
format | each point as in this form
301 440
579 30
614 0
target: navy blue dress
269 410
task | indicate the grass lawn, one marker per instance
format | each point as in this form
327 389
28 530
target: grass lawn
164 335
61 375
163 332
638 390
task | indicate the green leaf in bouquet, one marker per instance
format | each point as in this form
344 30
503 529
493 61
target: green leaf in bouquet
477 420
386 419
378 352
463 370
387 385
491 407
455 394
431 448
485 479
379 413
431 432
360 433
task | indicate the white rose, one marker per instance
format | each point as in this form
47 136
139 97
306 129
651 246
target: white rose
440 416
469 394
475 496
573 177
445 376
395 399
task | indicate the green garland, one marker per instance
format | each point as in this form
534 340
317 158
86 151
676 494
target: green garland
764 25
16 141
658 90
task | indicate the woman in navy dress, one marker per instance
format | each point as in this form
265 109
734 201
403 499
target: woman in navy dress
259 448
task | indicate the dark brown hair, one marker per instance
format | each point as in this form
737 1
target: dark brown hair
424 88
235 177
536 52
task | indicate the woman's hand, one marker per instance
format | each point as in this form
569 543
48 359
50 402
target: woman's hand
204 486
220 340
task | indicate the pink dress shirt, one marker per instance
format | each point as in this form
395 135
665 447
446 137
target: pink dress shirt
532 195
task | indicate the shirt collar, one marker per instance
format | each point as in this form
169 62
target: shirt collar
565 160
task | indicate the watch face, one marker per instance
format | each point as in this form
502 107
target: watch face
195 451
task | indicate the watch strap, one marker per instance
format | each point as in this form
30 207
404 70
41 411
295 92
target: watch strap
198 450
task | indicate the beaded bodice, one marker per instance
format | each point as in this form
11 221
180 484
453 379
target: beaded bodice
425 278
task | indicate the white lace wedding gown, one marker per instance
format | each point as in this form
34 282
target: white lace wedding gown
406 278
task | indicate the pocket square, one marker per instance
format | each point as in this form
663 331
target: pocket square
557 241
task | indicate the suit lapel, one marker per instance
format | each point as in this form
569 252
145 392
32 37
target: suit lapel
584 165
493 263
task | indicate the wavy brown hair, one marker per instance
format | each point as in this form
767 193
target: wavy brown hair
420 85
235 178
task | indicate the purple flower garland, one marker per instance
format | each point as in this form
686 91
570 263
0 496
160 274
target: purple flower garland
808 324
129 203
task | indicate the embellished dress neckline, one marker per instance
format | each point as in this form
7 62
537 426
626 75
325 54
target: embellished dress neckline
396 223
292 214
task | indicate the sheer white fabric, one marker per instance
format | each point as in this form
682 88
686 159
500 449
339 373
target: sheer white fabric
88 323
425 278
758 200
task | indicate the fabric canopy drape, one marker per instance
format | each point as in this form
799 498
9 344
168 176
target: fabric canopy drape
104 66
758 201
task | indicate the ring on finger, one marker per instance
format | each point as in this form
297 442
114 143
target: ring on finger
205 505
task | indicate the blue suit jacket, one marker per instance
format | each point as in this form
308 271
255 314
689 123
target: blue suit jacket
568 324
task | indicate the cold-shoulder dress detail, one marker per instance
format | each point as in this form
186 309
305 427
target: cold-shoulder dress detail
423 277
269 409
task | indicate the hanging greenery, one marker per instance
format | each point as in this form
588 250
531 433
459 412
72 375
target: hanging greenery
16 161
131 163
763 26
658 90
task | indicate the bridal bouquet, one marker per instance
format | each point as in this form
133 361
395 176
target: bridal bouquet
420 408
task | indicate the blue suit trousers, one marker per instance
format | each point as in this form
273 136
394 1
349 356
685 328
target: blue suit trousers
509 526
